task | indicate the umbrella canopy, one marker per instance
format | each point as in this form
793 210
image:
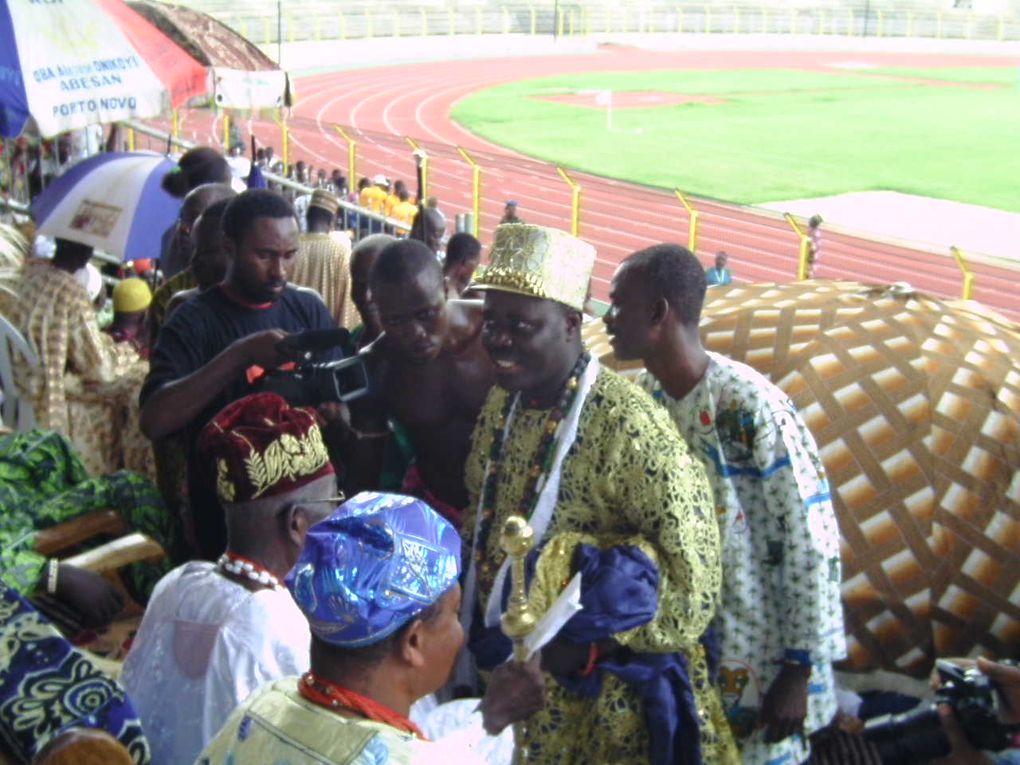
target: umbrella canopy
915 404
114 202
65 65
243 76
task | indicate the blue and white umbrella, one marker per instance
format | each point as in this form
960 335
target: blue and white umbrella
114 202
70 63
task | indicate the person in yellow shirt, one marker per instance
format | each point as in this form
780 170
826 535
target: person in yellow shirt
373 197
394 197
404 210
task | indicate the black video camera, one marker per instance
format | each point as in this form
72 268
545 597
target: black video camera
916 736
314 382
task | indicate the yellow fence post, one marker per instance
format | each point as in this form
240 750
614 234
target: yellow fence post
1002 28
609 18
131 139
764 20
968 275
695 216
226 132
244 30
881 23
451 20
478 21
938 25
708 19
396 23
805 247
679 20
506 21
175 124
415 146
351 155
424 23
318 27
910 24
575 201
476 191
534 20
736 20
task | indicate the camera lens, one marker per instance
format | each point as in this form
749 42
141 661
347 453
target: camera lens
909 738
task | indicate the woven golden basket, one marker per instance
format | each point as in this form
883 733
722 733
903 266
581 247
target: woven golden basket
915 404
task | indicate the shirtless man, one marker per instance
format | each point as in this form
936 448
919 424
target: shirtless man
432 376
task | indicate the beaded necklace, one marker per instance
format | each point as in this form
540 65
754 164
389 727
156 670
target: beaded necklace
242 567
330 695
537 472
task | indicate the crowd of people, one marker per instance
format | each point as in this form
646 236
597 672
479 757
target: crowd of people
335 577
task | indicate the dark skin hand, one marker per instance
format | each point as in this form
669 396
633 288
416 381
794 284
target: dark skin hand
95 599
564 657
785 704
515 692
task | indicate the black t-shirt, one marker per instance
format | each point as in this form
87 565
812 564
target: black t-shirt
194 335
204 326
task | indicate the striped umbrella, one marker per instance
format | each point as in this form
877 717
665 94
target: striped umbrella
114 202
65 64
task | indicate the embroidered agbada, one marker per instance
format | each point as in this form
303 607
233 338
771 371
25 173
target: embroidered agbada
278 725
626 475
780 543
87 384
323 264
205 644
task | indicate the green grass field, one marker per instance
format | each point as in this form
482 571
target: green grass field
780 134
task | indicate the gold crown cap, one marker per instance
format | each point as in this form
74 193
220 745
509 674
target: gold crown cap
540 262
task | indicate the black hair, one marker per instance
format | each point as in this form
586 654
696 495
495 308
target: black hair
403 260
196 167
249 205
461 248
215 211
317 216
674 273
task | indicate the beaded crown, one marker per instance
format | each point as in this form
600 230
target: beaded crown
539 262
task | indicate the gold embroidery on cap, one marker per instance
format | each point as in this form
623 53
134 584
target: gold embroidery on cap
287 457
224 486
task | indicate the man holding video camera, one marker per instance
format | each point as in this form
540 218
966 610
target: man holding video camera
216 347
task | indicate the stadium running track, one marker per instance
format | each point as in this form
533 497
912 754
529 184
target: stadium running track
380 106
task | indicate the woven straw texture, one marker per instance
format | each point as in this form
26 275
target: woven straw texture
915 404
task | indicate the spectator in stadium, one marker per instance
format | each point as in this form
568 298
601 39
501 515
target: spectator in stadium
719 274
393 198
215 632
373 197
432 376
86 384
433 204
405 209
780 617
215 346
462 255
195 168
611 489
814 234
363 259
131 300
510 213
429 226
377 582
209 265
197 200
323 261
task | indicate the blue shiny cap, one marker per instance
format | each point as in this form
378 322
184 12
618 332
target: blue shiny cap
372 566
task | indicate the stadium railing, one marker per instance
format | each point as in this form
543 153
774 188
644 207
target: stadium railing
268 23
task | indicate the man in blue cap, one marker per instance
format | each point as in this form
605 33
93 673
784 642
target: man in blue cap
378 582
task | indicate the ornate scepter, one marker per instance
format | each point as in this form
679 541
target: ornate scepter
518 621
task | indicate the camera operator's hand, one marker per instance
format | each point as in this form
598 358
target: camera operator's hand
962 753
266 349
785 704
1007 681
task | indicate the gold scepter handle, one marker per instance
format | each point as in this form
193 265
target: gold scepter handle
517 539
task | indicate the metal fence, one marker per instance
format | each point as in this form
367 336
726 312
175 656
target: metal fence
268 23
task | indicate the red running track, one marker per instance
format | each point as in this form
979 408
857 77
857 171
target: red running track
380 106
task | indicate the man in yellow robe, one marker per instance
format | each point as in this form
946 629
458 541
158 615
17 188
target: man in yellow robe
592 463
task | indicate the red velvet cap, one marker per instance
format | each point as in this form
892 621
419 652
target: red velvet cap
263 447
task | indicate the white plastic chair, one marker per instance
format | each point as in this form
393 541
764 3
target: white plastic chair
15 410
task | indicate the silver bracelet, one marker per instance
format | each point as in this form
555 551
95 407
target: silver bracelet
52 569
